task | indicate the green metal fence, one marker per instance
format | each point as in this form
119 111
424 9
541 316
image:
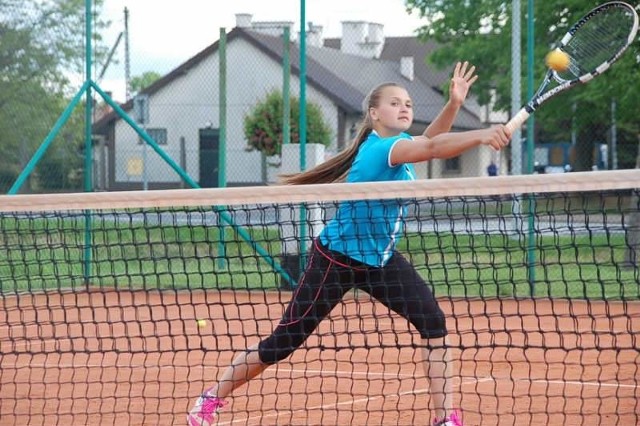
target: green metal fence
197 108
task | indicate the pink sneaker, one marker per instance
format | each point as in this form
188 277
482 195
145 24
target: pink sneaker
453 420
205 411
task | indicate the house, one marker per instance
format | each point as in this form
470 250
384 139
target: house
183 106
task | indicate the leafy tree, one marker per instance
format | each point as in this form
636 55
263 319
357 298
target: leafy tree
263 125
24 123
480 31
42 46
138 83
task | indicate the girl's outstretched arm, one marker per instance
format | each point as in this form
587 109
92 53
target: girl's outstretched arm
463 78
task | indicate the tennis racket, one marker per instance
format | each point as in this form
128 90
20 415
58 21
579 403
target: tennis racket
593 44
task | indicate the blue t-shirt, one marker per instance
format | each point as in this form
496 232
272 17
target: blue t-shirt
368 230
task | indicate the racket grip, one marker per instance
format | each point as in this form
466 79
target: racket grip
517 121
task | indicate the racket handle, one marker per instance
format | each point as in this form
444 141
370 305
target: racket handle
517 121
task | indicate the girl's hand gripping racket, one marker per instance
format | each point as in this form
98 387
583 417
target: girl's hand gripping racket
592 45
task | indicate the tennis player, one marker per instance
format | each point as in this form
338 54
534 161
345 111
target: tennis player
356 249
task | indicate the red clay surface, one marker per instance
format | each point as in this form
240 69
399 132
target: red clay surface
138 358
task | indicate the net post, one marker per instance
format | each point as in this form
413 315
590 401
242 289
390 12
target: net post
88 145
222 141
303 118
531 257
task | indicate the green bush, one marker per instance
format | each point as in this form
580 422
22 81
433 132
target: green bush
263 125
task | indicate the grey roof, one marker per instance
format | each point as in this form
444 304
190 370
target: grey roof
319 73
397 47
345 79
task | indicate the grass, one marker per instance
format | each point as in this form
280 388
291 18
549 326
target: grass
45 254
588 267
49 254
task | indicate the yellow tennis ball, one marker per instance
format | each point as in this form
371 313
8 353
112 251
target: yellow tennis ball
557 60
202 323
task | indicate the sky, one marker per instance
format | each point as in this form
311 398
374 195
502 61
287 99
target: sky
163 34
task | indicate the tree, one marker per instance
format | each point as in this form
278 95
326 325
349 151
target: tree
471 30
139 83
263 125
24 123
42 46
480 32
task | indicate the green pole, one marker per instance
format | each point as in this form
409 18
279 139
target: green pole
222 93
531 244
88 184
530 70
88 122
303 88
303 126
286 87
222 142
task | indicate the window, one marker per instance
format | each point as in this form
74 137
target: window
452 164
158 135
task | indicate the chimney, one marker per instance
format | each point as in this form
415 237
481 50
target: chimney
314 35
362 38
406 67
272 28
243 20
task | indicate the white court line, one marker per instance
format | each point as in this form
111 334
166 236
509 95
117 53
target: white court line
25 342
338 404
68 340
342 373
565 382
469 379
465 381
274 373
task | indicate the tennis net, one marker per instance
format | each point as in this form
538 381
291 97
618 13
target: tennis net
120 308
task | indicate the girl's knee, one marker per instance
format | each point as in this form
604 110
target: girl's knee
273 350
433 326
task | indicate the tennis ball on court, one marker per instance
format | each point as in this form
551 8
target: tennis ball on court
557 60
201 323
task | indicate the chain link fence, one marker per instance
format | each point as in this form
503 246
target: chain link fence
197 108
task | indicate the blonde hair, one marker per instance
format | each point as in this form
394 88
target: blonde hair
337 167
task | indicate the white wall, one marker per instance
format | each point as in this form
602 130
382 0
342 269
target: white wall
191 101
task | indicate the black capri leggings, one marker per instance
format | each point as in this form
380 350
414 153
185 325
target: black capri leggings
326 279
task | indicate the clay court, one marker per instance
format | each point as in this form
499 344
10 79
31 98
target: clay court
139 358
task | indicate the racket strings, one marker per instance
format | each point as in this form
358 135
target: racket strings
598 40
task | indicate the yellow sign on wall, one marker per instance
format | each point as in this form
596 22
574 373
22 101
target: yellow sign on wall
134 166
